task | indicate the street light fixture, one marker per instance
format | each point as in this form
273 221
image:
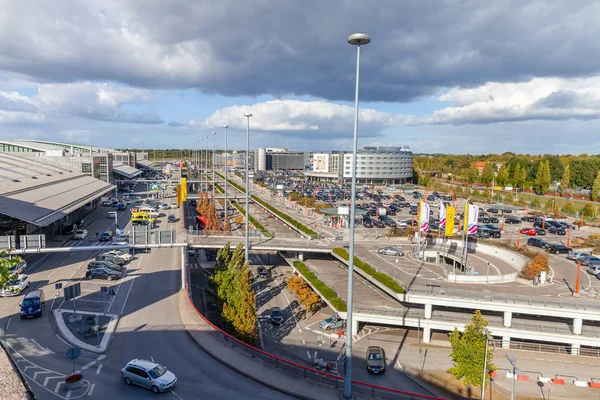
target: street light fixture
226 126
513 361
213 167
356 39
206 164
200 162
488 338
247 252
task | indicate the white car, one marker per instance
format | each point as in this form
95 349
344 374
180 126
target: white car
124 254
174 205
80 234
16 286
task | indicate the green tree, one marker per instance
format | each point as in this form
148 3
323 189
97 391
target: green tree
566 179
518 175
534 202
596 188
542 178
503 175
468 351
568 208
6 263
489 173
588 210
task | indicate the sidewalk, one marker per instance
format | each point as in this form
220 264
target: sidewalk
243 362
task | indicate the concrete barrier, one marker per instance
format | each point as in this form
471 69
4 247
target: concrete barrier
543 379
595 385
558 381
580 383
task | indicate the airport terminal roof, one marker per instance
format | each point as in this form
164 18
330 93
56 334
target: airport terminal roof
41 193
126 171
145 163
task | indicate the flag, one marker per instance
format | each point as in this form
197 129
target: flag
450 221
424 217
442 214
471 217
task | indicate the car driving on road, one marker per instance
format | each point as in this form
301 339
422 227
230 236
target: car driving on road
16 286
390 251
375 360
148 374
80 234
105 236
276 317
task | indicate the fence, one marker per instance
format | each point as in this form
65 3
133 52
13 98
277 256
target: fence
306 372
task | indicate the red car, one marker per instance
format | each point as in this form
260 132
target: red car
528 231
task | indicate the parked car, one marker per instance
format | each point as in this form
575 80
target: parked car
492 210
528 231
111 258
537 243
171 218
557 231
379 224
558 249
149 375
80 234
332 322
591 260
390 251
494 220
18 267
164 206
123 253
16 286
103 273
576 255
105 236
376 362
276 317
594 269
540 231
528 218
512 220
367 223
495 232
105 265
79 223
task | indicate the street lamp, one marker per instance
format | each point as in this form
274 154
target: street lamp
356 39
213 167
247 253
488 337
200 162
226 126
206 164
513 361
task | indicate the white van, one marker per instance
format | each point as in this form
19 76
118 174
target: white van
149 210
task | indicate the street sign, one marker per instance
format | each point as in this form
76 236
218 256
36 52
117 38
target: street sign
7 242
73 353
32 241
58 286
71 292
103 289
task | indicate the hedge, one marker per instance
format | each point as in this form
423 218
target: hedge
254 222
383 278
327 292
285 217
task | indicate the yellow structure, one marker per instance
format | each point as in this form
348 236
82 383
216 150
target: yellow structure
450 221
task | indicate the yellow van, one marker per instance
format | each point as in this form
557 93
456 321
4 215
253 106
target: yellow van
142 217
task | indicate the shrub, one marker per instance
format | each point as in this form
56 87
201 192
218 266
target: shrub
383 278
308 297
285 217
251 219
533 268
325 290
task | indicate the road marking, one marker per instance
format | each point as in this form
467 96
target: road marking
7 325
57 386
101 357
48 380
315 354
40 372
63 340
99 369
92 386
68 396
27 367
86 366
303 341
308 354
339 356
176 395
51 273
129 291
399 365
40 346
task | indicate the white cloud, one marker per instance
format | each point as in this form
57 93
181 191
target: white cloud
537 99
97 101
300 117
18 109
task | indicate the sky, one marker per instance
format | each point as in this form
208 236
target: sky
440 76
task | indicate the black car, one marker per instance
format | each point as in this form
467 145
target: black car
536 243
276 316
105 265
528 218
557 231
540 231
391 212
68 229
413 211
558 249
507 211
484 220
494 220
512 220
390 223
263 271
492 210
103 273
367 223
379 224
495 232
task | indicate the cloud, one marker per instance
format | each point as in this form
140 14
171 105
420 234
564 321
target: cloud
537 99
417 47
97 101
300 118
18 109
173 124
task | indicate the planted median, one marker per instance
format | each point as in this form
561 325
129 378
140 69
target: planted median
383 278
253 221
328 293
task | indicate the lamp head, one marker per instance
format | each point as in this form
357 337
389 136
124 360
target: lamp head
225 126
359 39
247 115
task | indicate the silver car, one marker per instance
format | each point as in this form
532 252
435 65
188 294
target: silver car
148 374
332 322
390 251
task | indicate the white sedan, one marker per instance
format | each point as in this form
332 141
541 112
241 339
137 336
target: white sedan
16 286
80 234
124 254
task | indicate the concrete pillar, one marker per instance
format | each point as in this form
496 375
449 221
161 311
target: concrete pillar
505 342
575 349
427 335
577 326
428 311
301 256
507 319
355 323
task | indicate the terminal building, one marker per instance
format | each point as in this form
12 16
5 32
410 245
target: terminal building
278 159
374 165
235 159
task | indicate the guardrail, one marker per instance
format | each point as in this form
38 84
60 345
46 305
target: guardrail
379 392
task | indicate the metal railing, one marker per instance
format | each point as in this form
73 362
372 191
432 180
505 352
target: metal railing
336 381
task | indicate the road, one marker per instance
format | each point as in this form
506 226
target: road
150 327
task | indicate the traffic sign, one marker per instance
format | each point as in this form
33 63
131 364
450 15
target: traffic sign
58 286
73 353
103 289
70 292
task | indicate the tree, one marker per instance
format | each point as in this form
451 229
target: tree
568 208
518 175
503 175
542 178
534 202
6 263
566 179
596 188
534 267
488 173
468 351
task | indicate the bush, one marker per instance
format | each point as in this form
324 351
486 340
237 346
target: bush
285 217
533 268
307 296
327 292
383 278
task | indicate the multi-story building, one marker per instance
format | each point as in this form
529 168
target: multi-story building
235 159
278 159
326 166
381 165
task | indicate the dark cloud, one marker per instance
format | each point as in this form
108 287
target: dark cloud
299 48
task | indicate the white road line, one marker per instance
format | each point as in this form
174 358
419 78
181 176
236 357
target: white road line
399 365
35 375
129 291
315 354
63 340
40 346
57 386
92 386
303 341
48 380
176 395
86 366
339 356
68 396
7 325
308 354
27 367
99 369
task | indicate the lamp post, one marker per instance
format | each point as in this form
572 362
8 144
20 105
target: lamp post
356 39
206 164
226 126
200 162
513 361
488 337
213 167
247 252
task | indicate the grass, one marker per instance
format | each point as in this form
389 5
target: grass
327 292
251 219
383 278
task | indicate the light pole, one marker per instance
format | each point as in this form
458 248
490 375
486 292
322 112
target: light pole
213 167
200 162
357 39
488 337
513 361
247 253
226 126
206 164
